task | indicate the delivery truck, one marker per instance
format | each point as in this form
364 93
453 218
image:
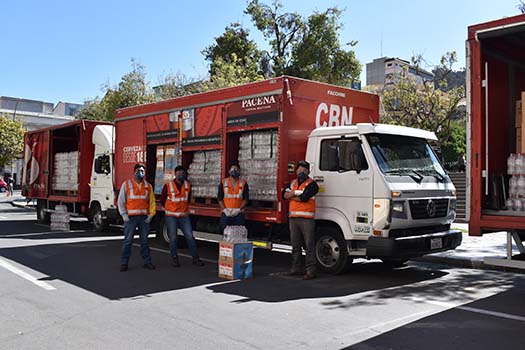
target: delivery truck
383 192
496 122
69 164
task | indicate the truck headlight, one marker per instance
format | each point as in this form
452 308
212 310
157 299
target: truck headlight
398 207
381 214
398 210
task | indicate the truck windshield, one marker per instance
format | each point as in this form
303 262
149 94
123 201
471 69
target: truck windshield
405 155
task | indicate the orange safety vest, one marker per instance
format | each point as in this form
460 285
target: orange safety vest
302 209
233 195
137 200
177 201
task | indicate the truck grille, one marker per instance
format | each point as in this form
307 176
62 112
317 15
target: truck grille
428 208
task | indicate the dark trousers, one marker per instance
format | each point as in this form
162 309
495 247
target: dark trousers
129 232
302 234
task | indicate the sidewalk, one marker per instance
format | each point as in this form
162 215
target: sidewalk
473 250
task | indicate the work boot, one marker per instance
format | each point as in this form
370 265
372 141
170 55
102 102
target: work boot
175 261
149 266
309 276
198 262
292 272
123 268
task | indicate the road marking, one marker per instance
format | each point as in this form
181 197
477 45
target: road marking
471 309
476 310
184 255
8 266
41 233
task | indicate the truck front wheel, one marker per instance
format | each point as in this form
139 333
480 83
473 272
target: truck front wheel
99 223
331 251
42 215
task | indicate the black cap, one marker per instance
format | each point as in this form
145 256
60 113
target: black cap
304 164
179 167
235 163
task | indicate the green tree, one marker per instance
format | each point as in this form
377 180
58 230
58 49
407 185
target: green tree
12 140
281 29
319 56
307 48
234 46
131 91
409 103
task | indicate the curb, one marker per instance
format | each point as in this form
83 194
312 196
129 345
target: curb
466 263
21 205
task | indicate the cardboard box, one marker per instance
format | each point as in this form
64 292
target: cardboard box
235 260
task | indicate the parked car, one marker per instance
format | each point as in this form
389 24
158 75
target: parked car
3 185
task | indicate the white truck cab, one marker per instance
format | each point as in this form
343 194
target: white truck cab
102 200
382 194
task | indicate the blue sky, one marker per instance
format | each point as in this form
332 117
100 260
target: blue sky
65 50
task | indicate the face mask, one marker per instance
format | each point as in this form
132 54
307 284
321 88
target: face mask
140 175
302 176
180 178
234 173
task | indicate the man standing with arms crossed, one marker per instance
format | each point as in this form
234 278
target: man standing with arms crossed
136 205
174 198
301 211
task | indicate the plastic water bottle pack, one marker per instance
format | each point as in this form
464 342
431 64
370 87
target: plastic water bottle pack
235 234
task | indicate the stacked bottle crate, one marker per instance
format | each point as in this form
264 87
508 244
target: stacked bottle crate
204 174
516 168
65 171
258 153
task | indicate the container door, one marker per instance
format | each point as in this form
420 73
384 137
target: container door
36 165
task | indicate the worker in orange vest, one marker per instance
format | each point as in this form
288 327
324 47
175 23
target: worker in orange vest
233 197
174 198
136 205
301 193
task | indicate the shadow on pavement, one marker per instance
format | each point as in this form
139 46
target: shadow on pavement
362 277
460 328
94 266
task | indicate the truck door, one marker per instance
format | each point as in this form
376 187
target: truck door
102 180
345 185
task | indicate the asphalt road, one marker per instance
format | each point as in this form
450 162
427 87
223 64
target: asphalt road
63 290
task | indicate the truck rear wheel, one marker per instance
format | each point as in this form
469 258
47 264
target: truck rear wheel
331 250
42 215
99 223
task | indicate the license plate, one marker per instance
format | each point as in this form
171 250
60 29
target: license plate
436 243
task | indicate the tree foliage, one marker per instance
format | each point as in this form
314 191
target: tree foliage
307 48
319 56
131 91
12 140
281 29
233 47
521 6
423 106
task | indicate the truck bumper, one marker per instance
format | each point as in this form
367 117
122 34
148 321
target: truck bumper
413 246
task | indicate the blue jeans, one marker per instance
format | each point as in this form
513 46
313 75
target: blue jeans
184 224
129 232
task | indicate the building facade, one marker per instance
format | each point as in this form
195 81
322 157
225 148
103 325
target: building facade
384 70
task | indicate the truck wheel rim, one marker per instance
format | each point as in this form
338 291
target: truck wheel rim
328 251
97 219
